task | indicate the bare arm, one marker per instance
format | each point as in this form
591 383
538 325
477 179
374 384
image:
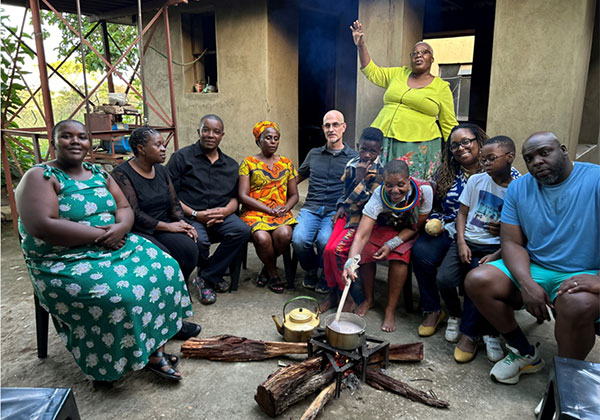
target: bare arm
363 232
516 258
405 234
37 204
464 252
292 194
114 234
246 200
299 179
358 37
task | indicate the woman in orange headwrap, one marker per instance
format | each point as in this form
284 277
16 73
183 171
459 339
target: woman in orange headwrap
268 191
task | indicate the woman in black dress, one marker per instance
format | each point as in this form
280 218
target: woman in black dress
158 213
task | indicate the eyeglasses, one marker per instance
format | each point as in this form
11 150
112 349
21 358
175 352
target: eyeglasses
491 158
463 142
334 125
419 53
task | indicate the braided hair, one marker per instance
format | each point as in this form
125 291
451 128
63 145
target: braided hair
139 137
450 167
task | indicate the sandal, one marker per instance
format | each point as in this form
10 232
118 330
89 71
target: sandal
262 279
172 359
157 367
276 285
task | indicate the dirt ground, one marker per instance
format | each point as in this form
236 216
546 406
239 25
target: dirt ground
214 390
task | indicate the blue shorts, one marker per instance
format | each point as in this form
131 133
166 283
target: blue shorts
550 280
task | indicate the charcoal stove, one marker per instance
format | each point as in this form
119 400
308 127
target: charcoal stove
358 357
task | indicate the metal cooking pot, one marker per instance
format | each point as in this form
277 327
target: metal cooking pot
348 334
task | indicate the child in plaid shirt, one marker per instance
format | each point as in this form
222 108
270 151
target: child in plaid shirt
362 175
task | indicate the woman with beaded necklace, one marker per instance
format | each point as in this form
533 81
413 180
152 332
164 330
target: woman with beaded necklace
391 219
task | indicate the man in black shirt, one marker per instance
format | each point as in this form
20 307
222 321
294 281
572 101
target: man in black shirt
205 180
324 167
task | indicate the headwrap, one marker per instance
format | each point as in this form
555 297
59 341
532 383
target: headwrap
259 127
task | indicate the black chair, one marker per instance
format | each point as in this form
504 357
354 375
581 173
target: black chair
290 264
41 328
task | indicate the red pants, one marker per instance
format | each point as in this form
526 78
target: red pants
336 253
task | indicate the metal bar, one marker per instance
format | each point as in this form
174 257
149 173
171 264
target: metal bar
112 67
170 70
28 89
12 153
130 83
9 187
14 60
159 106
82 49
54 70
39 46
21 145
141 53
35 141
111 85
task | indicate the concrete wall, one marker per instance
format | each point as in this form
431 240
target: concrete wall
253 85
392 27
540 59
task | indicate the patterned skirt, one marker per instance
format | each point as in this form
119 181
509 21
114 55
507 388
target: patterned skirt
423 157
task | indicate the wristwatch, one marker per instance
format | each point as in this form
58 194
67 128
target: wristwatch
194 213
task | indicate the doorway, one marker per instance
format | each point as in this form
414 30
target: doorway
326 70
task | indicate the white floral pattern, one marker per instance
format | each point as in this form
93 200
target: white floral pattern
130 316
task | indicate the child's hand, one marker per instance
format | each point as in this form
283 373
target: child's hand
382 253
339 213
493 228
464 253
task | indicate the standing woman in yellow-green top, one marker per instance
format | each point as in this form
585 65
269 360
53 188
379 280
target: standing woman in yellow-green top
413 99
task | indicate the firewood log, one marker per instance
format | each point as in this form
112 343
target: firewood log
378 380
229 348
290 384
317 405
412 352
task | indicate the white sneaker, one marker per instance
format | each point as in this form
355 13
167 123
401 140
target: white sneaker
493 348
508 370
452 329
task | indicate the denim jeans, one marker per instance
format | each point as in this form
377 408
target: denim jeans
450 280
428 252
312 228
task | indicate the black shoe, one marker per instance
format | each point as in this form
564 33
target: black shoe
188 330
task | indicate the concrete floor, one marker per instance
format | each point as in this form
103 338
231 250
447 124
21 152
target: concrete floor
214 390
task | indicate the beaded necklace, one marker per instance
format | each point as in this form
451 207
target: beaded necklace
408 206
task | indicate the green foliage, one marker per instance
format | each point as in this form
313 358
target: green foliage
11 92
122 34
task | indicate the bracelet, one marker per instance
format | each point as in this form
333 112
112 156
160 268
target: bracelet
352 262
394 243
194 213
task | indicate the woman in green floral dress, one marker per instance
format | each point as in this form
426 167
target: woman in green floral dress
114 297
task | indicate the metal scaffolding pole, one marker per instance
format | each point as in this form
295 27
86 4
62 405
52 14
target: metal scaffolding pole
34 5
170 69
141 53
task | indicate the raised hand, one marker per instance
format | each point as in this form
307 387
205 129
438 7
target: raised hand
357 33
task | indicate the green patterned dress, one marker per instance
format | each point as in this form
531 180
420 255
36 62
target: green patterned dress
112 309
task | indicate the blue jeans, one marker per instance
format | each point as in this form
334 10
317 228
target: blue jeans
427 254
312 228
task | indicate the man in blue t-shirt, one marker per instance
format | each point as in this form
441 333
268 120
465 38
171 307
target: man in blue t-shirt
550 236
